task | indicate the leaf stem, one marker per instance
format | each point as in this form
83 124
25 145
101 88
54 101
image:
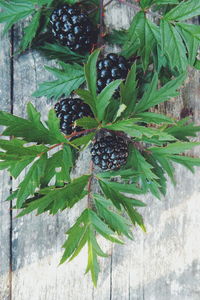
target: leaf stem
50 148
89 200
79 132
101 25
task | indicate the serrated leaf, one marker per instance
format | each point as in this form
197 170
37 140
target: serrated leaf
56 199
185 10
32 130
82 232
145 3
129 91
104 97
13 11
174 148
197 64
62 53
31 181
142 36
153 97
166 2
87 123
30 31
137 131
188 162
133 42
83 140
18 155
88 98
117 37
59 165
70 77
183 129
91 72
150 117
173 46
166 165
191 36
115 221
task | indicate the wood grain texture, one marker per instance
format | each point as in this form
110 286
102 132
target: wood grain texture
5 221
163 264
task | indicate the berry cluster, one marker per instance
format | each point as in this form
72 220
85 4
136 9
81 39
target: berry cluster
109 69
73 28
68 111
110 152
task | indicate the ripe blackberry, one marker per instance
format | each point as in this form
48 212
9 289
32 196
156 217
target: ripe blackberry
111 68
110 152
68 111
72 28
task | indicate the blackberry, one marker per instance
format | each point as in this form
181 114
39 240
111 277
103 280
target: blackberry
68 111
72 28
110 152
111 68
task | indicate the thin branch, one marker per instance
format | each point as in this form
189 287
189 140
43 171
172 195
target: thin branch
101 25
50 148
89 199
76 133
138 9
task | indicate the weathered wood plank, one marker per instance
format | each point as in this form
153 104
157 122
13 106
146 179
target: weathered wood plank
5 223
162 264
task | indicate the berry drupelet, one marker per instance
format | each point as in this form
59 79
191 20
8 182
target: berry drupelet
73 28
110 152
68 111
111 68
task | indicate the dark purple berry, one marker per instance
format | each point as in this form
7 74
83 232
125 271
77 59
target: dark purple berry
110 152
68 111
73 28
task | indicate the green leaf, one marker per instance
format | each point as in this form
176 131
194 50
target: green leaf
82 232
166 165
129 91
14 11
110 190
173 46
153 97
56 199
138 131
185 10
59 165
191 36
30 31
142 36
32 130
104 97
115 221
145 3
135 34
188 162
117 37
87 123
91 73
197 64
31 181
183 129
88 98
174 148
150 117
84 140
166 2
70 77
62 53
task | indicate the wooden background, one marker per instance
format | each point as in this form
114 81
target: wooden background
163 264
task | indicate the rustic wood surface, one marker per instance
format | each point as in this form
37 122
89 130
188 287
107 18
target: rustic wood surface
163 264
